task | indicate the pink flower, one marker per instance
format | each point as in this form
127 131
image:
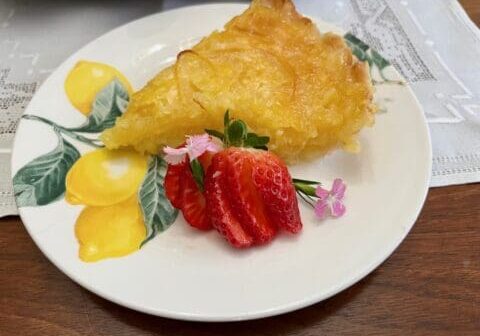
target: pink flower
195 146
331 201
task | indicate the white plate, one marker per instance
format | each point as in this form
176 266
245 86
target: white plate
187 275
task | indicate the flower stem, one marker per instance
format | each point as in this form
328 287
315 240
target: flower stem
387 81
63 130
304 188
306 199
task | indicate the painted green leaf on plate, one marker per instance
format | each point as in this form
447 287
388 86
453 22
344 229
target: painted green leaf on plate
352 39
109 104
379 60
367 54
364 52
42 180
158 213
358 49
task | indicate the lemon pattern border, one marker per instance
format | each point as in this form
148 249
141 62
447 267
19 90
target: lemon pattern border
42 180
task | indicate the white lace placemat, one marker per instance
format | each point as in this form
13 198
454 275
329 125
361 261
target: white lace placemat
436 47
431 42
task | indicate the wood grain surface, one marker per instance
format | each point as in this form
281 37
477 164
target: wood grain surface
429 286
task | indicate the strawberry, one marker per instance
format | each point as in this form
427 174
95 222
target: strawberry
205 160
219 210
246 202
274 184
193 203
172 183
249 194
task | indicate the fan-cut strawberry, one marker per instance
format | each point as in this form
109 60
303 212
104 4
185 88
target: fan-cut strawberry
274 184
246 202
219 209
248 195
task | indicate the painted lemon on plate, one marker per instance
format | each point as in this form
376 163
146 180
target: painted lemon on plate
104 177
107 182
87 79
111 231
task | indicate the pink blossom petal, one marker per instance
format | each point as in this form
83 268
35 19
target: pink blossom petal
322 193
174 155
338 209
214 147
338 189
198 139
175 151
197 145
321 209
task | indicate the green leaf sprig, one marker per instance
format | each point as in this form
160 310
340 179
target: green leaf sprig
236 134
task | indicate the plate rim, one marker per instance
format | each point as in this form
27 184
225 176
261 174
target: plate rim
277 310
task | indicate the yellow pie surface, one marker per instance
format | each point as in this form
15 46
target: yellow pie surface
270 67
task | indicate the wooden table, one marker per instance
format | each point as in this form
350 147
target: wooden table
429 286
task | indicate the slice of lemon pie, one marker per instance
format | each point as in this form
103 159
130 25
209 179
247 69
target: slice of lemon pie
270 67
